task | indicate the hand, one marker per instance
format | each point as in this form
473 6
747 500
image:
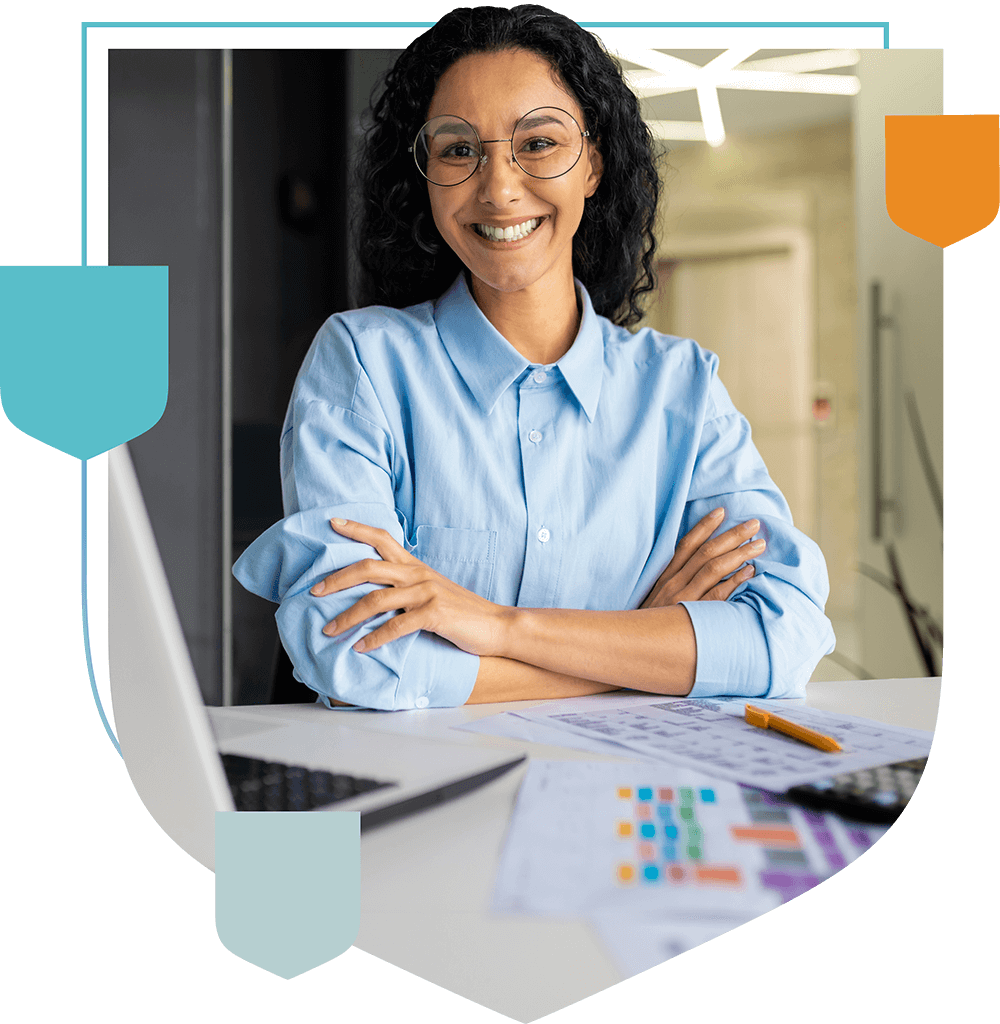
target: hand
428 600
700 567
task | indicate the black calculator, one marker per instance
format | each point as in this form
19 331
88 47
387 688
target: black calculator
873 794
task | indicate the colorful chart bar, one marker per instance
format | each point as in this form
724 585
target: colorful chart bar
765 836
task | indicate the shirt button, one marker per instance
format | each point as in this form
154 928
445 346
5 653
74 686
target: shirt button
421 702
543 535
535 435
539 376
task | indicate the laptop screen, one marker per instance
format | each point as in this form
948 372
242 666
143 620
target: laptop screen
162 725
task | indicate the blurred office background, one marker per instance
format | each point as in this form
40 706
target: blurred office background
776 252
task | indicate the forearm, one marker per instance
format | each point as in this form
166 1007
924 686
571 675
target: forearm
650 649
502 679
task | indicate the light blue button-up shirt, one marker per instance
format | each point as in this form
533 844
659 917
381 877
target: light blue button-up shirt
563 486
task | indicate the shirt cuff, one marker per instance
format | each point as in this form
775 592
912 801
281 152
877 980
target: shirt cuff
733 658
420 670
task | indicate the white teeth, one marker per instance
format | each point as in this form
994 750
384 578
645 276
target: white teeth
508 234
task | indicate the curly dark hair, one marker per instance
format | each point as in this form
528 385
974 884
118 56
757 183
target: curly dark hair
402 258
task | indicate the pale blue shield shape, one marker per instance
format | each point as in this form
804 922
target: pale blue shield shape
287 886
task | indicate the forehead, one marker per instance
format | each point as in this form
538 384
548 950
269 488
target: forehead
492 90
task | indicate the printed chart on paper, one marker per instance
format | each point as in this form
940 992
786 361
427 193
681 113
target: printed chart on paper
660 859
712 736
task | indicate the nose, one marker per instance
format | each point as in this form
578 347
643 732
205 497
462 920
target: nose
500 180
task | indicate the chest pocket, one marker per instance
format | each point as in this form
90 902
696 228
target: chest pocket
466 557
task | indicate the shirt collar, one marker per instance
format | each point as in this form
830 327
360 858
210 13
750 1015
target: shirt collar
489 364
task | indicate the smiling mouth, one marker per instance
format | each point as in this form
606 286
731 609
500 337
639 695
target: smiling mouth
512 233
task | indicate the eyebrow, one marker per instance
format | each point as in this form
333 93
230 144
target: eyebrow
451 128
461 127
538 120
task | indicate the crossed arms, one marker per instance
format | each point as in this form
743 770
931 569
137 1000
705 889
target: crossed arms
530 653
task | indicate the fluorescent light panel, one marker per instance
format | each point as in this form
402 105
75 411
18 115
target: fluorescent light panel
660 74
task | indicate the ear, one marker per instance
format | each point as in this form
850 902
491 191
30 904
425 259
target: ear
596 166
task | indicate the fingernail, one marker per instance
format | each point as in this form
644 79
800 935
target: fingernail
330 628
316 590
339 522
758 545
718 513
754 525
747 572
360 645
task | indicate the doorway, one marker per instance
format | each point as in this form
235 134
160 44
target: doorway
750 304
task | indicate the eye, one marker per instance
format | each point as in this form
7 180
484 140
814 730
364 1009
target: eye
458 151
537 144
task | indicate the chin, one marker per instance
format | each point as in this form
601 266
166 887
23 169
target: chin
505 283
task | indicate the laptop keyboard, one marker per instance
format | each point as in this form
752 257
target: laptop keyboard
270 786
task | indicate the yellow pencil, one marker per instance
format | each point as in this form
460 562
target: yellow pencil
765 720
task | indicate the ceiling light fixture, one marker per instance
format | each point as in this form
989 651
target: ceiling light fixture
660 74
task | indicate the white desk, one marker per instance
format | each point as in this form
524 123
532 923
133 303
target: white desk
427 881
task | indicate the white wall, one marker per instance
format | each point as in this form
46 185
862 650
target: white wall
911 274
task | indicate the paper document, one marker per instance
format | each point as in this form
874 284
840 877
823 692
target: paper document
660 859
588 834
712 736
539 730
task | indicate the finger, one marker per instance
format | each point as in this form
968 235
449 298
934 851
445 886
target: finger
703 529
367 570
399 626
714 548
730 541
381 540
719 568
690 543
377 602
724 590
693 557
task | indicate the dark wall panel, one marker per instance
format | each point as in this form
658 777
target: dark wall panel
165 208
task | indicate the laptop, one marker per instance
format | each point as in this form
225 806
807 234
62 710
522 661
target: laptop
178 757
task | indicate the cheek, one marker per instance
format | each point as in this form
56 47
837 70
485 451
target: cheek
571 210
444 205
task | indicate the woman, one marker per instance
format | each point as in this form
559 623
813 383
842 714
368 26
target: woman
485 475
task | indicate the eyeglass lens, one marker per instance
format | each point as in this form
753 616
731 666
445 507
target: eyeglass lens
547 142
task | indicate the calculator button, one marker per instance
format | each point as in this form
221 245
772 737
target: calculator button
877 794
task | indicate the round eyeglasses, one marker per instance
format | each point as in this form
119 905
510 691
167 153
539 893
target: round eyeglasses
546 143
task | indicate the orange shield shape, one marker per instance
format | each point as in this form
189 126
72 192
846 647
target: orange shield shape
942 174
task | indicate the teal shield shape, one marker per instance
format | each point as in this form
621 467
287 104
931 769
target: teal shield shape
83 354
287 886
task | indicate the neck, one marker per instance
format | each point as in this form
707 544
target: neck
541 323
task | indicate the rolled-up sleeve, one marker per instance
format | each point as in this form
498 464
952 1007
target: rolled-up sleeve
337 462
766 640
427 423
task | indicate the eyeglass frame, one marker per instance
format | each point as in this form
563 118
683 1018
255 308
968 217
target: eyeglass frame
484 156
